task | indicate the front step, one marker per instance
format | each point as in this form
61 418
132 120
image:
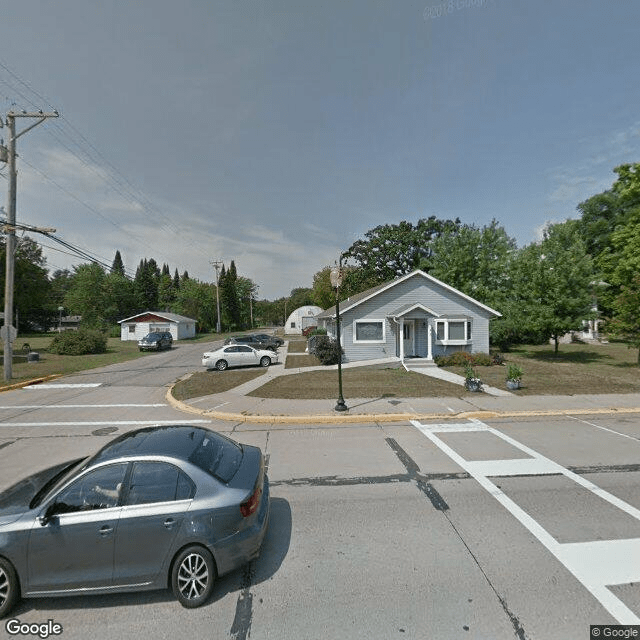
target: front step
419 363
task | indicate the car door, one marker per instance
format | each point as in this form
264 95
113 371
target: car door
155 503
247 356
232 355
74 548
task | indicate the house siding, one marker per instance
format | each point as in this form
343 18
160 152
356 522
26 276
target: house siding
414 290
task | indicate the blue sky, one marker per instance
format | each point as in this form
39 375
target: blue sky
276 133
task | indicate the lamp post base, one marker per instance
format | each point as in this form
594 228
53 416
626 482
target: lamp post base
341 406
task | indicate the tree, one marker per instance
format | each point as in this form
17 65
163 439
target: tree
475 261
87 296
146 284
32 301
118 265
229 299
393 250
197 300
323 294
551 292
626 322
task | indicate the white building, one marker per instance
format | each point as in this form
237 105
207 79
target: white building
302 318
137 327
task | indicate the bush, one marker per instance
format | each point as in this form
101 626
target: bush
464 359
327 350
78 343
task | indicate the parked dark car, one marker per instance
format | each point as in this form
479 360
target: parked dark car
163 506
254 341
156 341
267 339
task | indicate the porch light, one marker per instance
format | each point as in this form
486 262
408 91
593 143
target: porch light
336 275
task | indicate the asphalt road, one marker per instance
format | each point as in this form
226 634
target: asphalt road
503 529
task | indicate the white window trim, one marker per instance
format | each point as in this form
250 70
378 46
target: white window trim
447 341
369 320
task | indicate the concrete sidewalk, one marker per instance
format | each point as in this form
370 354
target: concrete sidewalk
236 406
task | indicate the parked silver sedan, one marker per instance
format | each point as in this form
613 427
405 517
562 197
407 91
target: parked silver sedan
158 507
238 355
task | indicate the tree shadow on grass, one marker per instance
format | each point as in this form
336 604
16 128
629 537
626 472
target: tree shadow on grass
575 357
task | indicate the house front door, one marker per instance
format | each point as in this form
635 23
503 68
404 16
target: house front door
408 336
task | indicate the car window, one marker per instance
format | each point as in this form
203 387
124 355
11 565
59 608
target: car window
218 456
158 482
231 349
244 349
97 489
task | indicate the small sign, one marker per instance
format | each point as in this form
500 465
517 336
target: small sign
13 332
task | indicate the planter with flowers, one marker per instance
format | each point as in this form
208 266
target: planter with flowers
514 377
471 380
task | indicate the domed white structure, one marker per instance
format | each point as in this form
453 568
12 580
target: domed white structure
302 318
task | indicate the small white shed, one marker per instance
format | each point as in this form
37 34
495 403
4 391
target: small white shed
137 327
302 318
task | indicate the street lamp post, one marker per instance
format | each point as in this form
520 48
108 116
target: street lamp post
60 310
336 276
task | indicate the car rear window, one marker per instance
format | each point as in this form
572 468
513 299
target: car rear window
218 456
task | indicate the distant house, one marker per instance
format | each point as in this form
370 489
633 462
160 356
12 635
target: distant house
136 327
414 316
302 318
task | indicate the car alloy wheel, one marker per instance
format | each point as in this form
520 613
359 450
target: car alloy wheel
221 365
9 587
265 361
193 576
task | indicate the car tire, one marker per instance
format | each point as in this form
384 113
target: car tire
9 587
192 576
265 361
221 365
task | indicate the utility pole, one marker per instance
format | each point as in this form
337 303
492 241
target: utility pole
217 264
8 330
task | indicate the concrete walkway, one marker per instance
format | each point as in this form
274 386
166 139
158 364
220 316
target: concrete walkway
236 406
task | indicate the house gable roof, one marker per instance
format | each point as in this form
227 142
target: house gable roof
144 317
354 301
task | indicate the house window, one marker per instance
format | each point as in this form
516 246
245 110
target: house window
368 331
453 331
132 328
293 325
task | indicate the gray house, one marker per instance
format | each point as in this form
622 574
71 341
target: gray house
414 316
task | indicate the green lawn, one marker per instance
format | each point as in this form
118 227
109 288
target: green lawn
577 369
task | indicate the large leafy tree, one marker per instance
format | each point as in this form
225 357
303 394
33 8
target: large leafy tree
197 300
476 261
609 227
32 300
87 296
392 250
551 285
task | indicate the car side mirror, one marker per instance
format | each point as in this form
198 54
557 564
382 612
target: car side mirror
45 518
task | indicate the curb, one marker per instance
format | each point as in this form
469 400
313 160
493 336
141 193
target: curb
27 383
384 417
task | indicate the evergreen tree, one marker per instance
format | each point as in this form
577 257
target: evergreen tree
118 265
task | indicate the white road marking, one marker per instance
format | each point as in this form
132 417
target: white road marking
64 386
595 564
78 406
597 426
96 423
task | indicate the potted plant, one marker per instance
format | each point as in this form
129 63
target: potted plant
471 380
514 376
